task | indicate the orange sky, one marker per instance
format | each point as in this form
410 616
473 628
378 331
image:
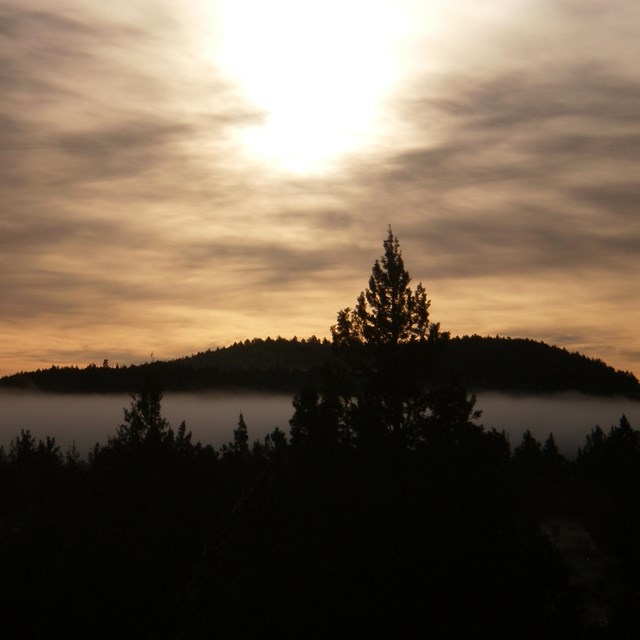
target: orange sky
179 176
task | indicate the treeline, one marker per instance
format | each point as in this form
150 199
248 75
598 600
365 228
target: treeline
282 365
517 364
277 365
312 534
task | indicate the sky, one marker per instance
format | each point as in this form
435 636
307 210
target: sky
178 176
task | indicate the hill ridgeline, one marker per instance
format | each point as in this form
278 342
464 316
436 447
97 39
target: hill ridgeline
283 365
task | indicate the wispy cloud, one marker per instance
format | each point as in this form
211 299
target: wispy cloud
133 221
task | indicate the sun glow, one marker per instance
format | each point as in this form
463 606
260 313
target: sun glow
319 72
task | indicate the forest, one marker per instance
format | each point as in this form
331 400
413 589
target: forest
480 363
384 512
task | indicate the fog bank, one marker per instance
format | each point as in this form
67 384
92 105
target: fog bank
87 419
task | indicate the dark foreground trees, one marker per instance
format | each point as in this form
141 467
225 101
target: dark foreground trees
166 538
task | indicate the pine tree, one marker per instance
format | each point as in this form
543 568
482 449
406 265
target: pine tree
385 388
143 421
386 343
241 438
389 312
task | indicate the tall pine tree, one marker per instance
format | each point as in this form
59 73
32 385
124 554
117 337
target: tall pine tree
389 313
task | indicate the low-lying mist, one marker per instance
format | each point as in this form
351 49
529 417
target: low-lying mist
212 417
569 416
87 418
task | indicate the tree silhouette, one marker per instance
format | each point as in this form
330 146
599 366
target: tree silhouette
241 438
389 349
143 421
389 312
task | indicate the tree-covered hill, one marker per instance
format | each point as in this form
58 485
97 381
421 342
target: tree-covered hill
480 363
386 511
516 364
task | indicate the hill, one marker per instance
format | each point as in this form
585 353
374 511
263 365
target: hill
281 365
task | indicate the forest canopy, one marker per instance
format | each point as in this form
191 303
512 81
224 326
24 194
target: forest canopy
279 364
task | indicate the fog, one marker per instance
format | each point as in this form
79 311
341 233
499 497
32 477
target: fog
569 416
87 419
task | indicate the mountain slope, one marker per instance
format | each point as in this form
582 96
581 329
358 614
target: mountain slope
480 363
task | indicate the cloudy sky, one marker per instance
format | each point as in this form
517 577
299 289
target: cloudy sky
179 175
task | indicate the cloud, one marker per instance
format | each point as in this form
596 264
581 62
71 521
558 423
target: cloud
115 145
530 175
129 204
519 177
88 99
619 199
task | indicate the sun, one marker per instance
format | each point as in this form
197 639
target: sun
319 72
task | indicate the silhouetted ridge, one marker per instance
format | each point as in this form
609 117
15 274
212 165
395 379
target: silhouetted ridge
266 354
517 364
279 364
